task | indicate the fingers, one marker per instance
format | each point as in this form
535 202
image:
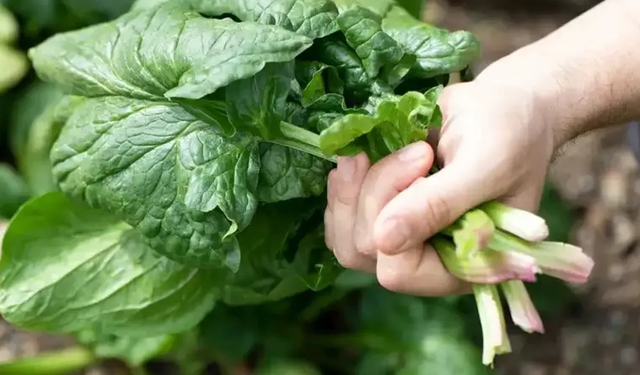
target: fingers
427 206
386 179
418 271
345 184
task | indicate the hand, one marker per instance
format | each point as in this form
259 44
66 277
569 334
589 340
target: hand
493 145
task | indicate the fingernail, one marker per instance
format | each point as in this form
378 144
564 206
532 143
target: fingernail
394 235
413 152
347 168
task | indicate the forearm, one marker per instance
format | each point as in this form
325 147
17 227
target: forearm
585 75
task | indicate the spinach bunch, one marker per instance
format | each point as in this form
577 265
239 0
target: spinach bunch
190 150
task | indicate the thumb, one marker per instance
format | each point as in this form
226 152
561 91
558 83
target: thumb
429 205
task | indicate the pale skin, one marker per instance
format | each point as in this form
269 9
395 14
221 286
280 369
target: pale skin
499 135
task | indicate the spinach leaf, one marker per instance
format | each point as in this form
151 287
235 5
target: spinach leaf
438 51
312 18
13 191
166 51
34 162
164 172
269 271
288 174
377 50
84 269
258 103
396 122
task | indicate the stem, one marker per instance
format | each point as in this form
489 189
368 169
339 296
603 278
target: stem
302 140
57 363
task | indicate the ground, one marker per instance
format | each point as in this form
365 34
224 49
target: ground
597 175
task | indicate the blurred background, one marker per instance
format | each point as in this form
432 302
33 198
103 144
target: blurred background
592 200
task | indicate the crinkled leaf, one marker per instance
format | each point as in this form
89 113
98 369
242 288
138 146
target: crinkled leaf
164 172
438 51
335 51
313 18
397 122
379 7
212 112
318 80
377 50
274 264
167 51
257 104
287 174
84 269
13 191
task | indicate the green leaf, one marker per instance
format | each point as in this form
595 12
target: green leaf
363 32
8 26
413 7
211 112
335 51
35 162
166 51
414 336
313 18
257 104
134 351
318 80
289 174
32 102
164 172
13 191
230 333
274 264
85 270
438 51
397 122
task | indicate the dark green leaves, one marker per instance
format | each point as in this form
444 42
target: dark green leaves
313 18
288 174
166 51
438 51
84 269
362 30
397 122
164 172
414 336
258 103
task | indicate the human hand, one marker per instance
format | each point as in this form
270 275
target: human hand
493 145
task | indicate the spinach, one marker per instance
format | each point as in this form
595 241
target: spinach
175 160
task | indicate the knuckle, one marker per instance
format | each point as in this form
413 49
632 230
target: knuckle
363 243
348 260
392 280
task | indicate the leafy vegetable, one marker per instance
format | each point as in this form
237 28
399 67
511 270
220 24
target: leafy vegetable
174 159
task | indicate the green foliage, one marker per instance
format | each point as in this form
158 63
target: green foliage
168 167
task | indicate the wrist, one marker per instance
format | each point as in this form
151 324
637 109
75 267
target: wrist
538 87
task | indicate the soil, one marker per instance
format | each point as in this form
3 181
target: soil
597 174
